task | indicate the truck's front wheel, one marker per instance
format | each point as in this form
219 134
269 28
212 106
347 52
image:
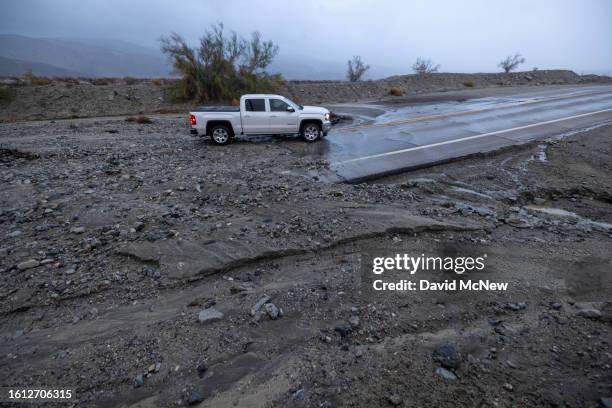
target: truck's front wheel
311 132
220 135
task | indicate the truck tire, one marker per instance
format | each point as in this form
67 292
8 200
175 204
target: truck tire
220 135
311 132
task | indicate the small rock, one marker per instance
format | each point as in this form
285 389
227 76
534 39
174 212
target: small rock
298 395
259 305
508 386
15 234
209 315
556 305
394 399
354 321
195 398
590 313
77 230
29 264
139 381
448 356
151 368
606 402
271 310
343 329
157 367
444 373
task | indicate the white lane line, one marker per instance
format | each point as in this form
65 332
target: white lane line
469 112
497 132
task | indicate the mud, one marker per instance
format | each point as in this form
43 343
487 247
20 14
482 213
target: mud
136 228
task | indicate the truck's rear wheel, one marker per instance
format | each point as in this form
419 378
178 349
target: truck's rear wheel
220 135
311 132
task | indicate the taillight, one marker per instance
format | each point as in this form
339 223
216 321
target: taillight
192 119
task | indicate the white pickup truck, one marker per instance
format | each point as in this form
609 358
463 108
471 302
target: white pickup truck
260 114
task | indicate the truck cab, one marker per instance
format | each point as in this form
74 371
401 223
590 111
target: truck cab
260 114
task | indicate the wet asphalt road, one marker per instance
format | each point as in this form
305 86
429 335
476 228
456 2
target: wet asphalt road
392 138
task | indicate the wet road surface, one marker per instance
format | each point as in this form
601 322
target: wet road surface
386 139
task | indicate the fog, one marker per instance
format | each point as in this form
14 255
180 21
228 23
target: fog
461 36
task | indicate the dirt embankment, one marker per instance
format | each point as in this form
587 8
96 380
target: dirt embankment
74 98
342 91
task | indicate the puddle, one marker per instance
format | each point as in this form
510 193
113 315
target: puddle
559 212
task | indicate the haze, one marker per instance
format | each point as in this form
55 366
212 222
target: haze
466 36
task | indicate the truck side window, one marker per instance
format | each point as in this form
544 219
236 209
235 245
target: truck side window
255 105
278 105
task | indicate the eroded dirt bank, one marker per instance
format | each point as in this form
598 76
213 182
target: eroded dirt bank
116 236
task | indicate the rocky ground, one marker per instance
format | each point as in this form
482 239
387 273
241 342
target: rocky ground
144 268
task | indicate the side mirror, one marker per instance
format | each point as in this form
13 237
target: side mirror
290 109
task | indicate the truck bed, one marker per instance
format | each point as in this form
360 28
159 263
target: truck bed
216 109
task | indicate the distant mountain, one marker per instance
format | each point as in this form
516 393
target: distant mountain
96 58
13 67
115 58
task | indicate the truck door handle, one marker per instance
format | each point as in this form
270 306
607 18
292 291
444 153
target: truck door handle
273 116
247 116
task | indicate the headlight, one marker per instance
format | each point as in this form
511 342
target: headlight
326 116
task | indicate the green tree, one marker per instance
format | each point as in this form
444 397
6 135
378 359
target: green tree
222 67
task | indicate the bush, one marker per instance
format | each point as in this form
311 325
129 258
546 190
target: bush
143 120
423 67
101 81
223 67
511 62
469 83
157 81
130 80
395 92
356 69
7 94
35 80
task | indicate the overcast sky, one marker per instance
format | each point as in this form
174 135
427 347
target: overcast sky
467 35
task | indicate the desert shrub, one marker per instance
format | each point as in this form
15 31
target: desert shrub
67 80
222 67
36 80
423 66
511 62
101 81
157 81
130 80
395 92
469 83
356 69
7 94
143 120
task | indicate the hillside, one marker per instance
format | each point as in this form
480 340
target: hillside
93 58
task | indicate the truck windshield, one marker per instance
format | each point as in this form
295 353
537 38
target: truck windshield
296 104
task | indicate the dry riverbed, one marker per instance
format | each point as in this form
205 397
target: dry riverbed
144 267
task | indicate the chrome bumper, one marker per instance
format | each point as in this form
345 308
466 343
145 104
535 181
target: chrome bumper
326 126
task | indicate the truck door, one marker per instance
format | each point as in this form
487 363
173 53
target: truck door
255 119
283 117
